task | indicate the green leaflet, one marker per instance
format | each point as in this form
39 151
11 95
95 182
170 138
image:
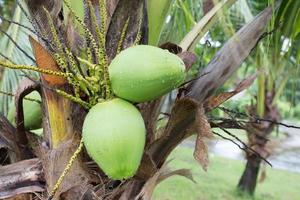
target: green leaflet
8 48
157 13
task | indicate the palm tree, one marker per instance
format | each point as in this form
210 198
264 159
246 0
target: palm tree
280 65
122 22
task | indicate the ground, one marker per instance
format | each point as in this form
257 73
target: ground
220 181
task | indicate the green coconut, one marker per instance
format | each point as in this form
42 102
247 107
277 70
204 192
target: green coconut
114 136
32 112
38 132
143 73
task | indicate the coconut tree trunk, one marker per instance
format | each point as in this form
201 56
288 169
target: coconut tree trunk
63 118
258 134
247 182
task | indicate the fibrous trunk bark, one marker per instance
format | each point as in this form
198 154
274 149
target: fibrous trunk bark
247 182
258 134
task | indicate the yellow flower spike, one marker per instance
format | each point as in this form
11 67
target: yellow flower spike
90 65
85 28
56 39
33 68
103 14
139 34
92 79
66 170
72 98
123 34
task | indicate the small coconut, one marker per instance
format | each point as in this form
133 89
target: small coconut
32 112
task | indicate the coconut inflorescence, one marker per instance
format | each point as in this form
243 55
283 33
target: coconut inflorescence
114 131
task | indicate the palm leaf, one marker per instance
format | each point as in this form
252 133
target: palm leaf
157 13
180 19
10 50
193 37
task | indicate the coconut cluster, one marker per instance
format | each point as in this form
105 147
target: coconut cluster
114 130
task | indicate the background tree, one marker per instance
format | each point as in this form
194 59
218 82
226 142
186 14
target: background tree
279 66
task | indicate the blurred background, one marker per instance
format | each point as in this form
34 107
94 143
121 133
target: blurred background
274 95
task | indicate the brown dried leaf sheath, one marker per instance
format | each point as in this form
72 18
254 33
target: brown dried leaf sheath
203 131
45 61
217 100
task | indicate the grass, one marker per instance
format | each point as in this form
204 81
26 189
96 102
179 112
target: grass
220 181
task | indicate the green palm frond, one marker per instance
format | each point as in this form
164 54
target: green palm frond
10 50
157 13
183 14
289 16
